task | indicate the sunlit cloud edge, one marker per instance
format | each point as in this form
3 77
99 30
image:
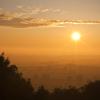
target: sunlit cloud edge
19 22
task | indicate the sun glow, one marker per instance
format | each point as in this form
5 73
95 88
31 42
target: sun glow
76 36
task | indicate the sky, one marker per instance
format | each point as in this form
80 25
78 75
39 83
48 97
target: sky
67 9
44 27
38 32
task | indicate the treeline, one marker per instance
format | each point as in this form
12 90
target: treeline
13 86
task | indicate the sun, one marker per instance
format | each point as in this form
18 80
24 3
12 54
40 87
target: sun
76 36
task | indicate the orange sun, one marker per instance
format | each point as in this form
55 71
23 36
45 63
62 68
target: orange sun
76 36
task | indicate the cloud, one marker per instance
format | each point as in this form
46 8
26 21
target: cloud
24 22
31 22
19 6
24 19
35 11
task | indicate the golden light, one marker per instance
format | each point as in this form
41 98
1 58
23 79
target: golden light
76 36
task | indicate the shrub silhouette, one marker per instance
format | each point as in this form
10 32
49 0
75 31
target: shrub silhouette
91 91
66 94
12 85
42 94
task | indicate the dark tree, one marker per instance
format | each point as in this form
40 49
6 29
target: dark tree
91 91
42 94
12 84
66 94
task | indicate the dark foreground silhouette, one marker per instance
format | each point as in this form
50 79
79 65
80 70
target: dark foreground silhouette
14 87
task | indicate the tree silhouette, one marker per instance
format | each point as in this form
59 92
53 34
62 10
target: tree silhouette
12 84
63 94
91 91
42 94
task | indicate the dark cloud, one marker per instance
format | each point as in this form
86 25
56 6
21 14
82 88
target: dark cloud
18 22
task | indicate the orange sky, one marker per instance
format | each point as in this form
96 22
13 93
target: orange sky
36 36
50 40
